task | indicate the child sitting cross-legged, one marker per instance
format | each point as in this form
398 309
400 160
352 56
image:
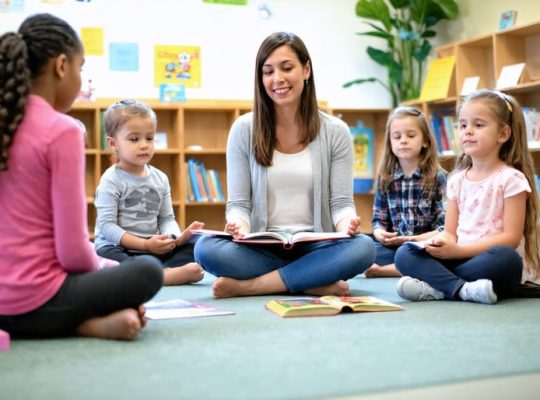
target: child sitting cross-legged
133 199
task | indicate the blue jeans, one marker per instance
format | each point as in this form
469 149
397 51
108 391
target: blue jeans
501 264
385 254
305 266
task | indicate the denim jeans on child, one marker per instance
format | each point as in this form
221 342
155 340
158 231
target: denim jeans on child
501 264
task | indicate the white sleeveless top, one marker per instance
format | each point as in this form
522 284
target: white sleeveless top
290 192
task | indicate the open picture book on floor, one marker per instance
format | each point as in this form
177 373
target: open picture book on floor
178 308
329 305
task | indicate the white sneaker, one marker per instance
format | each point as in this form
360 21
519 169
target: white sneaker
480 291
413 289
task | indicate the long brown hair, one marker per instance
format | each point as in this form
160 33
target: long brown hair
428 162
23 56
515 153
264 121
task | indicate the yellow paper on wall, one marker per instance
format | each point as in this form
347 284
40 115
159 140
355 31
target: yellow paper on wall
177 65
92 39
438 78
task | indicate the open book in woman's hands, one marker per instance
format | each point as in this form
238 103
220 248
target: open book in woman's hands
283 238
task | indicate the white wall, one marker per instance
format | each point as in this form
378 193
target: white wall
229 37
480 17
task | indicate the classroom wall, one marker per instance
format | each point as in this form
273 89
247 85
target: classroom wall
229 37
480 17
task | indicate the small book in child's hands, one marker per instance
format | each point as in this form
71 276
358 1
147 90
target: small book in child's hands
286 239
329 305
172 309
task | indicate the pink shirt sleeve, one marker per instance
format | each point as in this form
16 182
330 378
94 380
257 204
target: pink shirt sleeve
67 162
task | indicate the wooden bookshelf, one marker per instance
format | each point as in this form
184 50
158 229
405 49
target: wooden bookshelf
485 56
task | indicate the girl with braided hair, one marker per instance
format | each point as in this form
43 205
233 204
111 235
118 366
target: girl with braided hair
49 282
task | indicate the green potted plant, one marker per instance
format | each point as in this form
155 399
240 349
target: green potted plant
406 26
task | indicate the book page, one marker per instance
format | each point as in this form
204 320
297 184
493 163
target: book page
172 309
317 236
267 237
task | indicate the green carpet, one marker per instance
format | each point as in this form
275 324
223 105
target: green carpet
256 354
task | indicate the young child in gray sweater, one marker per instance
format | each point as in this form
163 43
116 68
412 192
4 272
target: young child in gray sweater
133 199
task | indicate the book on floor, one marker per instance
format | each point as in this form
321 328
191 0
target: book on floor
178 308
283 238
329 305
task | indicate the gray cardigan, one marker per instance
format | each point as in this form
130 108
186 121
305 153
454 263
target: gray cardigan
332 163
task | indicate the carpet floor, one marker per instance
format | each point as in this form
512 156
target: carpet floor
255 354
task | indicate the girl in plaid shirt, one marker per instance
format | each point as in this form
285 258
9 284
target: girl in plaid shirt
408 204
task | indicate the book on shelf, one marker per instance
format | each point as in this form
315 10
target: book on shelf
203 185
532 121
364 157
287 240
173 309
329 305
443 131
438 77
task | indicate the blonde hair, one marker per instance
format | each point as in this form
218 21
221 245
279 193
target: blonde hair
428 161
122 111
515 153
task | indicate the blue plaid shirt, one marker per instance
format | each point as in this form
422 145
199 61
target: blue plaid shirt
406 209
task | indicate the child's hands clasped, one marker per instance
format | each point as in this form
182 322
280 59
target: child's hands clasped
442 246
390 238
159 244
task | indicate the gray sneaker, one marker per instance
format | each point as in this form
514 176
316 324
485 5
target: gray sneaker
480 291
413 289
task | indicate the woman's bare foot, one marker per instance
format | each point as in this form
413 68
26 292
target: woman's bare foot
188 273
268 283
124 325
339 288
385 271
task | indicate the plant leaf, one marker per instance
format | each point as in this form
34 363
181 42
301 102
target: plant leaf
379 56
449 8
360 81
429 34
374 9
383 35
422 52
400 3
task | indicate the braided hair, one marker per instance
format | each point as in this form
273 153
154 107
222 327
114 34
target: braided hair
23 56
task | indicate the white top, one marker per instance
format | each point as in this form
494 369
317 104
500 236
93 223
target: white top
481 204
290 192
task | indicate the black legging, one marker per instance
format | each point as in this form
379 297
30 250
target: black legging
87 295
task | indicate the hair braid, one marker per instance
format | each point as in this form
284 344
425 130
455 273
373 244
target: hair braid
14 89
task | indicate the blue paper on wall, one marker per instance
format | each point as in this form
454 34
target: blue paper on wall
124 56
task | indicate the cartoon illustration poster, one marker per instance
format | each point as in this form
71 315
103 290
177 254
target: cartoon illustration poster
177 64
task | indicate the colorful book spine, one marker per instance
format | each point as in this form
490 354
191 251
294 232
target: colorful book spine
192 168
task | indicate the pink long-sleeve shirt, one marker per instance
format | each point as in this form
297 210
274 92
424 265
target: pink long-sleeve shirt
43 226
